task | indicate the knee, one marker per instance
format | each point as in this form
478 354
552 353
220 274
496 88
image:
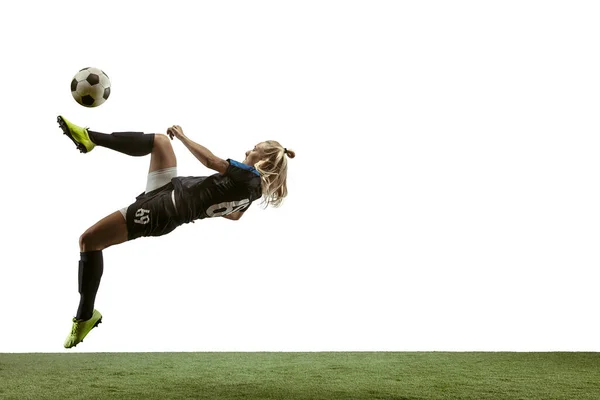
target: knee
161 140
87 241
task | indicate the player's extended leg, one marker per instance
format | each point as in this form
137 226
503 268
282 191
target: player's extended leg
130 143
109 231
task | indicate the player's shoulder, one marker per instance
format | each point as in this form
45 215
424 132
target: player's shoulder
236 167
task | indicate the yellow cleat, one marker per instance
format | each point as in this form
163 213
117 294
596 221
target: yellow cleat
77 134
81 328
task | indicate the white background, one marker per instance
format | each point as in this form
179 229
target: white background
444 196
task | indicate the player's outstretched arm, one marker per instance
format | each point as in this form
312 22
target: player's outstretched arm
204 155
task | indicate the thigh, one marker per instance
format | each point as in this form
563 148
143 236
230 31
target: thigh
160 178
107 232
162 155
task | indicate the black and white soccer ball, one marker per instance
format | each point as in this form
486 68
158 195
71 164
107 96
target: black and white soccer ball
90 87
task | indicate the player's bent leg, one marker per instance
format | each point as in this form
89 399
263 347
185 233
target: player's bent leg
162 155
109 231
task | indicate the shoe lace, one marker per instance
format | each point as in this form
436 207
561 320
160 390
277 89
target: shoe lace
75 327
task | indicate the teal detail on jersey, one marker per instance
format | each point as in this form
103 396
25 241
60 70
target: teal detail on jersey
244 166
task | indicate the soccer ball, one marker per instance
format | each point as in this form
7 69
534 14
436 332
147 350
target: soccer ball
90 87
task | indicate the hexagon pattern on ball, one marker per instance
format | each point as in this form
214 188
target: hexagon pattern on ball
90 87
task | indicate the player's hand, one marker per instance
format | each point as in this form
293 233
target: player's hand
175 131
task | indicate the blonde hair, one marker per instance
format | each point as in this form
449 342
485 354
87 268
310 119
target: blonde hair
273 172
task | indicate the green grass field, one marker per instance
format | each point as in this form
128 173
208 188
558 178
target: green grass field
394 376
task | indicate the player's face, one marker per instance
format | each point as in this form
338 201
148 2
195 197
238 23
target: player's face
252 156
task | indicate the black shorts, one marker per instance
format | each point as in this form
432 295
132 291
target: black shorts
152 214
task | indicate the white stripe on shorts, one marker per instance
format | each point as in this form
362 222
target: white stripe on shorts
155 180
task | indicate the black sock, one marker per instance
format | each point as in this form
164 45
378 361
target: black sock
91 267
130 143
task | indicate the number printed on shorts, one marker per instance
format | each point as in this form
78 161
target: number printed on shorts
227 207
142 218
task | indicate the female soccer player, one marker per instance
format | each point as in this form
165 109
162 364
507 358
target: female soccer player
169 200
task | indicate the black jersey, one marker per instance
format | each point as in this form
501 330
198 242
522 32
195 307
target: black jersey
198 197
